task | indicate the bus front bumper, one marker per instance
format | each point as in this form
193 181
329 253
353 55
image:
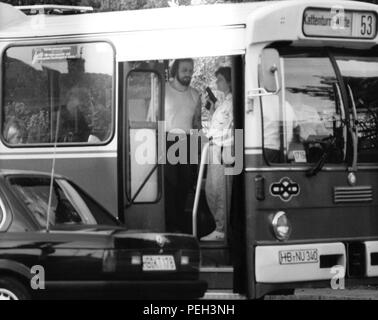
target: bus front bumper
316 262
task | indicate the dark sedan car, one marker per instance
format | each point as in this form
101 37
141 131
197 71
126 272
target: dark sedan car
56 241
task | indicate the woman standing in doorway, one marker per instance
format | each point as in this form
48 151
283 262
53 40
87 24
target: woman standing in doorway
218 185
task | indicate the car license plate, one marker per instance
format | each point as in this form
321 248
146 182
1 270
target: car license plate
298 256
158 263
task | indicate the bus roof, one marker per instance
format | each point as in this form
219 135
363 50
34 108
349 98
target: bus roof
123 21
14 24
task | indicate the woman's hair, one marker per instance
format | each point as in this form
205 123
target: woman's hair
225 72
175 65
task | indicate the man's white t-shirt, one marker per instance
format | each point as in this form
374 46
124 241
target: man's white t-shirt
309 121
180 107
272 122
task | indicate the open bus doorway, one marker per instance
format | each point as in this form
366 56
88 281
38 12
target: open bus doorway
146 186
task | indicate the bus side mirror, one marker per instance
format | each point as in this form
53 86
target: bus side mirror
270 70
269 75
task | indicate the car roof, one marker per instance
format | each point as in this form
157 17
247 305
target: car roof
7 172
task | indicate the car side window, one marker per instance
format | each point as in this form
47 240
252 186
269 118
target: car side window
35 194
67 204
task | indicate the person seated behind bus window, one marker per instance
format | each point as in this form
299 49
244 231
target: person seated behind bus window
307 118
273 125
13 132
309 126
75 111
93 139
73 126
100 125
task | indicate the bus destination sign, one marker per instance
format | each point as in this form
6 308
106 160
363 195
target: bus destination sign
337 23
55 53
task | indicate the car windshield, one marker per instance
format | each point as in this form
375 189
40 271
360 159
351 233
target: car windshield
69 204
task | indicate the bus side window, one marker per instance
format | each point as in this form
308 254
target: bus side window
44 81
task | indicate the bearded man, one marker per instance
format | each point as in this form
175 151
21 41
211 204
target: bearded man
182 114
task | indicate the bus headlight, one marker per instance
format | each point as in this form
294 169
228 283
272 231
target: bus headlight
281 226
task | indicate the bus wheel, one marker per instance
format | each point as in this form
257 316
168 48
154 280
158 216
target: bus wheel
12 289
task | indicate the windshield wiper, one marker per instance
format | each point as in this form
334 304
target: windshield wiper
353 131
329 144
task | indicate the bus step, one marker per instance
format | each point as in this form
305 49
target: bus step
215 256
222 295
214 245
217 278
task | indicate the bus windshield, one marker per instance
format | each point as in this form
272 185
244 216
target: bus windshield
295 132
360 75
314 118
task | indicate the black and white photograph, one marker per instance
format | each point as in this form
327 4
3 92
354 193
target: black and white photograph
189 155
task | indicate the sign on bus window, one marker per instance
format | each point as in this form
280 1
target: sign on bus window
58 93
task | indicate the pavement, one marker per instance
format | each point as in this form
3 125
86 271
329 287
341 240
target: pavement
355 293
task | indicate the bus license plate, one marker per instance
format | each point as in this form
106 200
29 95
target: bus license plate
298 256
158 263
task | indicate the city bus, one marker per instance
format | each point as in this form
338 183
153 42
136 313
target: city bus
83 95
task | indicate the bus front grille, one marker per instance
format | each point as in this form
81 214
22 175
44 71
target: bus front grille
353 194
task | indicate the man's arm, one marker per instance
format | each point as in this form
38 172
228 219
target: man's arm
197 118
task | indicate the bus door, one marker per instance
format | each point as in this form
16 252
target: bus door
144 155
313 185
140 178
217 197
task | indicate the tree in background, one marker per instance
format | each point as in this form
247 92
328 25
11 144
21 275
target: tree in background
115 5
112 5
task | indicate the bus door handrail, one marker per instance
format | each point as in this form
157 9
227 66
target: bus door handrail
204 157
